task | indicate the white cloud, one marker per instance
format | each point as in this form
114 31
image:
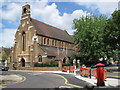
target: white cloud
50 15
12 12
7 37
94 0
40 11
104 7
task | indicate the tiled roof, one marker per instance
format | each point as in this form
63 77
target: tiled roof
50 31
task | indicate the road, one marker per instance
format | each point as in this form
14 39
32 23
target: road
45 80
50 80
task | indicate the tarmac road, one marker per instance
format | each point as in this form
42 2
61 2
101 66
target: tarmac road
45 80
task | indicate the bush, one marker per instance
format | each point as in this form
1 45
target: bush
14 68
36 64
66 64
51 64
44 64
41 64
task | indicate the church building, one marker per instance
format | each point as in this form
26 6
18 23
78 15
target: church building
36 41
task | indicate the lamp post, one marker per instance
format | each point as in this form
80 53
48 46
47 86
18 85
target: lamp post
74 64
78 62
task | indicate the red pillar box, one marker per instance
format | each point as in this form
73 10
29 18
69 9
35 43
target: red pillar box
100 74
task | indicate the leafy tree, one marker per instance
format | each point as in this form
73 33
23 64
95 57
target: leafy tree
89 37
112 35
4 56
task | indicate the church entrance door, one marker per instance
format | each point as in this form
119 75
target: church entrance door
64 60
23 62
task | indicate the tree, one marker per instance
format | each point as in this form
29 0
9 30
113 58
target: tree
89 37
4 56
112 35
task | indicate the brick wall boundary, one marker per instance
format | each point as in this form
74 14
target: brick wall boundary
39 68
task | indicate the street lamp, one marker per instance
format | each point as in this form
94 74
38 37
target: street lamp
74 64
78 61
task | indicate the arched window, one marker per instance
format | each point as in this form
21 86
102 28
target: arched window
62 44
41 40
52 42
24 10
23 40
47 41
55 42
44 40
39 58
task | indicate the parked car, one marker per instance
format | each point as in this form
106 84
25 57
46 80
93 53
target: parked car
3 68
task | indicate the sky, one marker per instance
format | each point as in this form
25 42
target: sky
58 13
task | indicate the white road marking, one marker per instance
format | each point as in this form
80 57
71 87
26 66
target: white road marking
65 87
35 73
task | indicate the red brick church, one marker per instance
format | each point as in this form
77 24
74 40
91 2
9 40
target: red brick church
36 41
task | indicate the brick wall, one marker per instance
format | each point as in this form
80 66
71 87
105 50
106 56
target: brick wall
39 68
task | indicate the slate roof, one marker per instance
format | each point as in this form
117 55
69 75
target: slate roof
51 31
54 51
7 50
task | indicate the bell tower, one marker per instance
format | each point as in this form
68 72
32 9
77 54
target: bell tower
25 11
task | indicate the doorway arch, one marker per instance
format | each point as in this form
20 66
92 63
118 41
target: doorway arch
23 62
64 60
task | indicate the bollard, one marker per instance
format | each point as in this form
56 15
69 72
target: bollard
100 74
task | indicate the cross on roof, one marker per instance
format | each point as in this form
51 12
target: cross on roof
26 2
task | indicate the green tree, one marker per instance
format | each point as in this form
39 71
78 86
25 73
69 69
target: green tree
4 56
112 35
89 37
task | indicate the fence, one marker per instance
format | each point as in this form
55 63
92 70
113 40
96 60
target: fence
85 72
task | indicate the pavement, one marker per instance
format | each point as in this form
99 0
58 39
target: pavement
109 82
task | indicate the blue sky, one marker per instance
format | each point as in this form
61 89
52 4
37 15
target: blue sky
59 14
69 7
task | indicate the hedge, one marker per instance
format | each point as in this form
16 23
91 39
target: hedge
51 64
